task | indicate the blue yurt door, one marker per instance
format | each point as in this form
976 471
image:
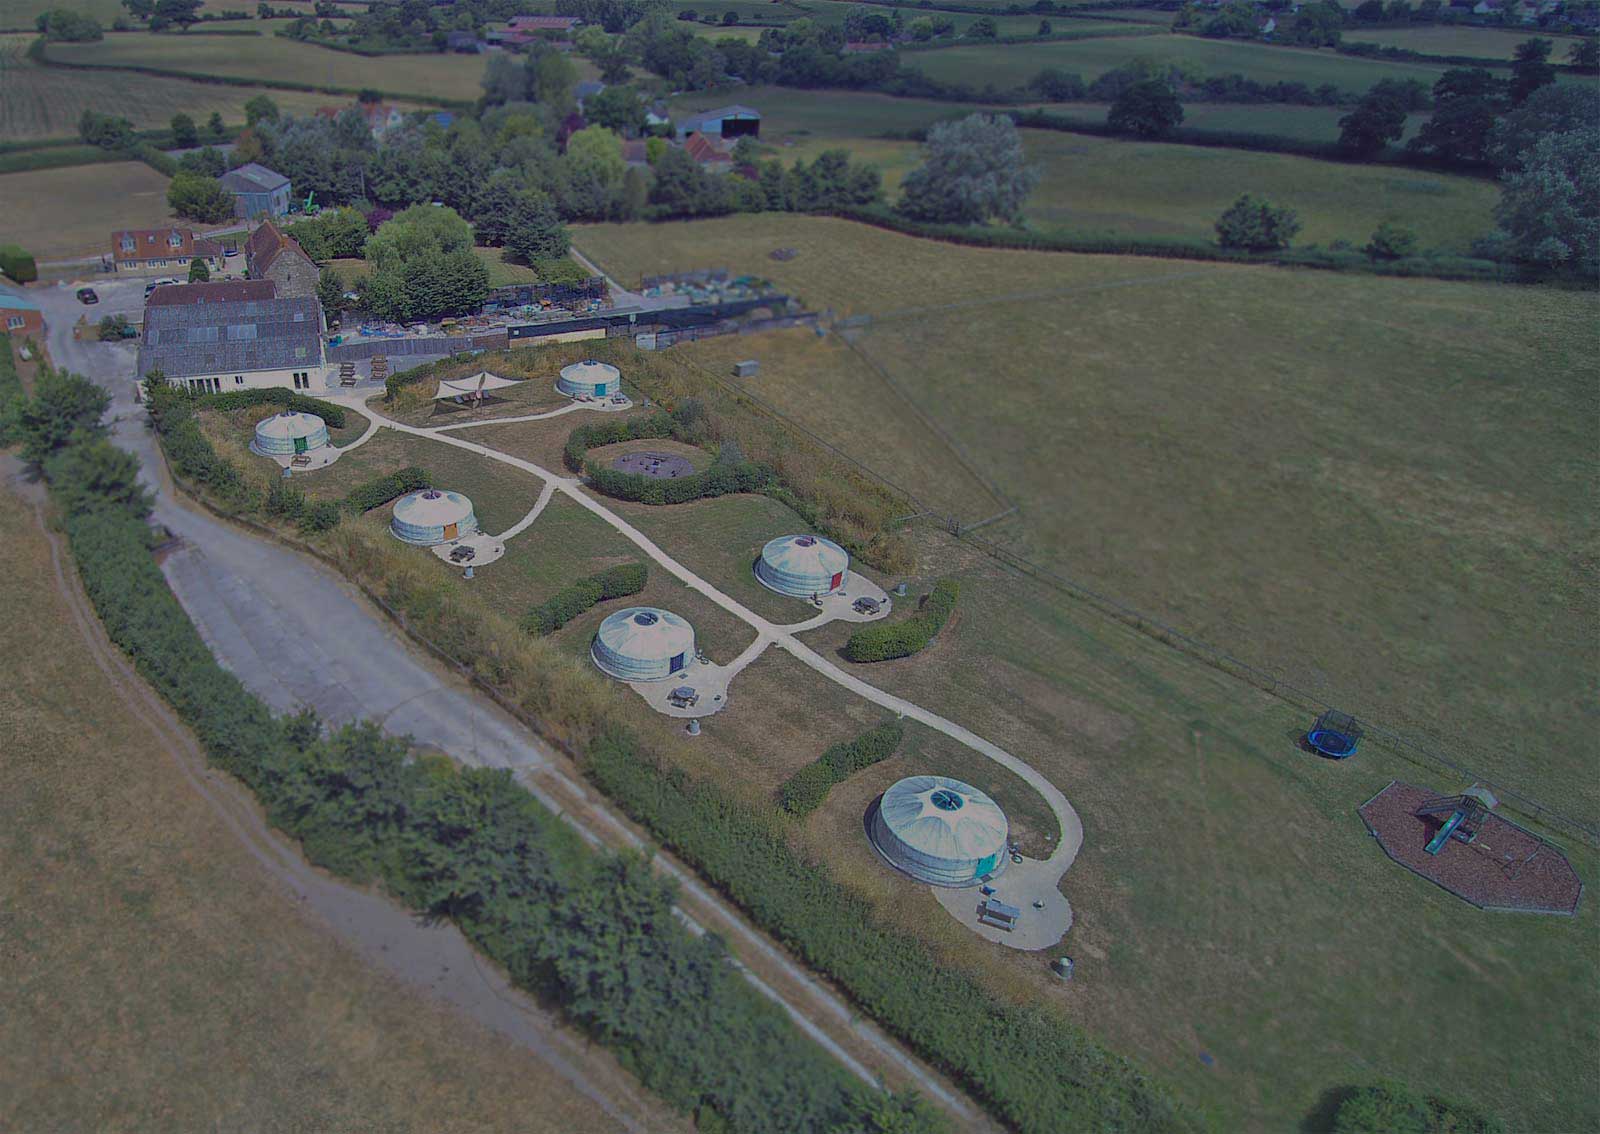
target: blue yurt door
675 664
600 389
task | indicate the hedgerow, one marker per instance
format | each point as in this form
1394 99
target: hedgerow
881 641
586 437
10 384
379 491
591 932
571 601
807 789
721 479
276 396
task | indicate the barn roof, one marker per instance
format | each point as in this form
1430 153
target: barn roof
218 338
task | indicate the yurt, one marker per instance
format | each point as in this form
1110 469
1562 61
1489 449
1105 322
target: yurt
803 565
643 643
433 516
285 434
940 831
597 379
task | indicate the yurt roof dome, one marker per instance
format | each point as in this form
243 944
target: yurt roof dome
433 507
290 424
806 555
944 818
590 370
647 633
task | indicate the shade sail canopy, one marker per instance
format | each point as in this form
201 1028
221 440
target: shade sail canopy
479 383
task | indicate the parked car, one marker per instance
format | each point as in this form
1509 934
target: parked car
87 295
231 252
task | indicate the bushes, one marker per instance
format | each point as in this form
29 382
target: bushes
590 931
375 493
721 479
882 641
586 437
298 403
1035 1071
806 790
17 264
1254 224
571 601
1393 1108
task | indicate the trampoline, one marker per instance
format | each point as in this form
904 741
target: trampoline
1335 735
661 466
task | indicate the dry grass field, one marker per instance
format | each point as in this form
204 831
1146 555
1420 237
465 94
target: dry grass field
46 102
157 977
61 213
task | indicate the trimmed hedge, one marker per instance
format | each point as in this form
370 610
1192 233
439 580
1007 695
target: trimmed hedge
1034 1070
882 641
586 437
718 480
375 493
571 601
277 396
807 789
17 264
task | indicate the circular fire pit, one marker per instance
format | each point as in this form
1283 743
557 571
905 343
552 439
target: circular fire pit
661 466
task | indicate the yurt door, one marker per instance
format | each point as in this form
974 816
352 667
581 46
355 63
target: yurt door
299 444
675 664
450 530
600 389
838 580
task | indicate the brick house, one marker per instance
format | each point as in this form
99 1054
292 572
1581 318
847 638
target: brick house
20 315
270 255
138 251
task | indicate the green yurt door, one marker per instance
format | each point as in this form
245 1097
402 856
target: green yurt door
299 444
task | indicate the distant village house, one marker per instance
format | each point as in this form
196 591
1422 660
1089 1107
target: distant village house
148 250
271 255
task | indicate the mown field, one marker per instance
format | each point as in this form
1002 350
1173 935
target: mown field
1314 471
1302 123
1008 66
270 57
21 14
1326 472
142 936
1439 39
62 213
46 102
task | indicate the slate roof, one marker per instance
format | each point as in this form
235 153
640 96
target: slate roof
252 178
190 340
264 247
11 301
698 121
219 291
157 244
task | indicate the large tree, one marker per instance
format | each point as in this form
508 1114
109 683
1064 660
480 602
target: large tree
1254 224
1531 69
1549 110
1549 210
972 170
184 132
1378 119
535 230
196 197
1466 104
1148 109
616 108
423 266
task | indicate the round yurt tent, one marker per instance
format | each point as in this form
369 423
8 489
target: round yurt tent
643 643
433 516
596 379
285 434
803 565
940 831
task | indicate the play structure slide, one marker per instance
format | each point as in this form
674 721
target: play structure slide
1445 832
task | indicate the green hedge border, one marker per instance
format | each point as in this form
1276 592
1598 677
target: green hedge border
807 790
578 598
885 641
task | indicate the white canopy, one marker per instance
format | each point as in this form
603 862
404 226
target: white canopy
479 383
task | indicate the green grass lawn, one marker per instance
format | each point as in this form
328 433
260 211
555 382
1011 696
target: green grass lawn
1303 123
1009 66
1481 43
43 102
271 57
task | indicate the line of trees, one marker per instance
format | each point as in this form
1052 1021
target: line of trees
590 932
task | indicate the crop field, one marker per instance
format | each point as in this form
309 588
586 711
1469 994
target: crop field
46 102
144 935
60 213
21 14
453 77
1008 66
1303 123
1482 43
795 114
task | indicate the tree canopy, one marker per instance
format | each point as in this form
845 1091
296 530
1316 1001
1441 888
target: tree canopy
423 266
1148 108
973 169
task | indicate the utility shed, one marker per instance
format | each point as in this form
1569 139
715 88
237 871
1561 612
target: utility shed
746 369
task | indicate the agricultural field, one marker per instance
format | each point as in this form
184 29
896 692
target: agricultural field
1007 66
143 935
46 102
1169 445
1481 43
1302 123
62 213
795 115
450 77
19 15
1408 540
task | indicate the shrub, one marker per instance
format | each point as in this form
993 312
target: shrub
571 601
277 396
806 790
18 264
375 493
1256 225
1393 1108
719 480
321 516
587 437
883 641
1389 241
